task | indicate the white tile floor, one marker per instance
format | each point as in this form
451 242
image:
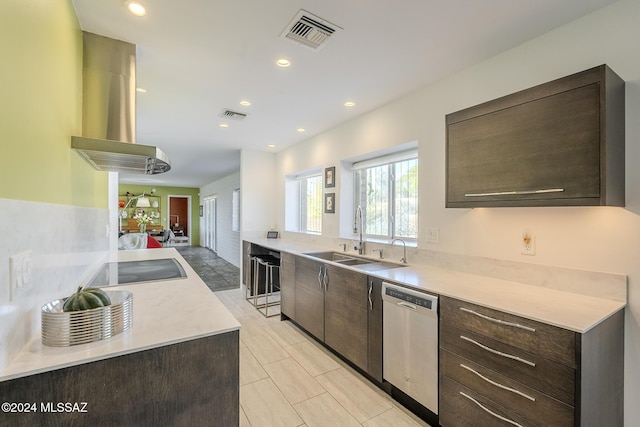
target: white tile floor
287 379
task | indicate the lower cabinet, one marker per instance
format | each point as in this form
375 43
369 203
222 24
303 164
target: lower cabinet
309 296
499 369
374 328
345 313
192 383
288 285
339 306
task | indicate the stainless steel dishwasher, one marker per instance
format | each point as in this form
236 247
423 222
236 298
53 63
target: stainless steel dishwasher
410 343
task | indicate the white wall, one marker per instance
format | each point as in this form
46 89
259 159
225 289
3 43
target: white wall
228 240
257 204
596 238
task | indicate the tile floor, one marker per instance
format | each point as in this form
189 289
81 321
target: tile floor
287 378
217 273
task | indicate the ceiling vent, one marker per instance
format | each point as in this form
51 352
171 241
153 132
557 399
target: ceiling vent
233 115
310 30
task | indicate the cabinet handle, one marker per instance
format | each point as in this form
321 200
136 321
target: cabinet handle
504 387
515 193
320 277
507 420
325 278
499 353
370 289
501 322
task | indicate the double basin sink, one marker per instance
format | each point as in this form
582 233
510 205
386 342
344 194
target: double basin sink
353 261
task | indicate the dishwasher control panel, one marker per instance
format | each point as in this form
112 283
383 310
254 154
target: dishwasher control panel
410 298
422 301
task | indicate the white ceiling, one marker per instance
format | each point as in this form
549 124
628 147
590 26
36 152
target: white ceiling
197 57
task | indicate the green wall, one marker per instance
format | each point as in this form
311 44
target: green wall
41 106
163 192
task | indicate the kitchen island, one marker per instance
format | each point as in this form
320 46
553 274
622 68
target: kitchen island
177 364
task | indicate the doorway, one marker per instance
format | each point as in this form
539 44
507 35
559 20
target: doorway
209 222
179 208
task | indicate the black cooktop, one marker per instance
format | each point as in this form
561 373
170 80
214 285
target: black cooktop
120 273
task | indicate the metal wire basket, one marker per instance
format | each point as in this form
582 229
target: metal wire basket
64 329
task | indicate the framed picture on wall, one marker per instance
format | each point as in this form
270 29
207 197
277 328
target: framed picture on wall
330 177
330 203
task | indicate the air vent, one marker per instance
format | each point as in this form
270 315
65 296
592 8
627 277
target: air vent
233 115
309 30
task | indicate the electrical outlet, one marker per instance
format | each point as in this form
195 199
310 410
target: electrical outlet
433 235
19 273
528 243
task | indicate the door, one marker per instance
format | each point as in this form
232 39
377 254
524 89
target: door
209 222
179 208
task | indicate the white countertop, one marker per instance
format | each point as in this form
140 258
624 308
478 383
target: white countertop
164 312
567 310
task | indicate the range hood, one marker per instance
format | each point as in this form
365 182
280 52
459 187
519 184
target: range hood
108 110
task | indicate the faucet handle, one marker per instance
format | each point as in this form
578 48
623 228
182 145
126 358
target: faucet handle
378 250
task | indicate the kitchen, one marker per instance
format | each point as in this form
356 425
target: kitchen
600 239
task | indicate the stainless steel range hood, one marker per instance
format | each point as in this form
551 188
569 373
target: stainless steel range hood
108 110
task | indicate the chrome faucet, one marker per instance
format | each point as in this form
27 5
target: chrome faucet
358 227
404 250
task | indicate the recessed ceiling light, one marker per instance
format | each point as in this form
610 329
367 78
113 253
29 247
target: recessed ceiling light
349 104
136 8
141 90
301 129
245 103
283 62
271 145
224 125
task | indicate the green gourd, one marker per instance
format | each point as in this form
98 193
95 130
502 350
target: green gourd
85 299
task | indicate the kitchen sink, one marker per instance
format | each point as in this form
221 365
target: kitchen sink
353 261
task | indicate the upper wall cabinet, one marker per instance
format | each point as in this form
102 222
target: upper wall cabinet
557 144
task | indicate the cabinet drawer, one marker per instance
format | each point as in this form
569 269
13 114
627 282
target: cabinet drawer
462 407
506 392
551 378
534 337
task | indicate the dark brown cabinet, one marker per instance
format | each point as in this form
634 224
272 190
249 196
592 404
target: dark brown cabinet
345 313
374 328
288 285
309 296
501 369
340 307
556 144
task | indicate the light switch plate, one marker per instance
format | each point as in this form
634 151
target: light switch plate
433 235
20 266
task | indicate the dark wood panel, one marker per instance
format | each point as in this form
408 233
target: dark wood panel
309 297
547 341
506 392
288 285
551 378
566 134
345 314
457 410
601 387
191 383
374 367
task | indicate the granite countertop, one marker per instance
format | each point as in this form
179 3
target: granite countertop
567 310
164 313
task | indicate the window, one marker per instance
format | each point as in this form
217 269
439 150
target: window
311 204
304 202
387 191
